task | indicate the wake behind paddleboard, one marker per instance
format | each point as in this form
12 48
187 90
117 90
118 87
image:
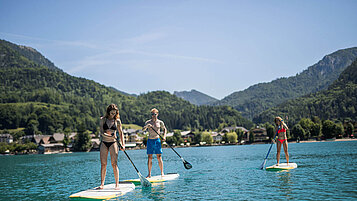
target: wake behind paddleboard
156 179
108 192
282 166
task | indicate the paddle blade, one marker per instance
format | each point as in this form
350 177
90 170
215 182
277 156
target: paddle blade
263 164
144 182
187 165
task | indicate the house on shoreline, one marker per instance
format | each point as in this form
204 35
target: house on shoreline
260 134
7 138
46 143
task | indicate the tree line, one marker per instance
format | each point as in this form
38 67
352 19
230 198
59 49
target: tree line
336 103
45 101
260 97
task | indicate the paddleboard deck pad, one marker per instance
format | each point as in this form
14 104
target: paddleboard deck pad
282 166
156 179
108 192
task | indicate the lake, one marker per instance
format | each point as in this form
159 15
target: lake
326 171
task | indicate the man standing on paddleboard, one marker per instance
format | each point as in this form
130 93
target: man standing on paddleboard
154 144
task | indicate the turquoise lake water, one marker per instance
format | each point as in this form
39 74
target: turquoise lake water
326 171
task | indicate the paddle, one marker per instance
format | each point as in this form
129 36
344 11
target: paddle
265 160
144 182
185 163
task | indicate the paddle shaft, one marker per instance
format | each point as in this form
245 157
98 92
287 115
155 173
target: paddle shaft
168 144
120 146
271 145
128 157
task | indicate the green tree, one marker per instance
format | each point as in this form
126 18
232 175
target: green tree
298 132
328 129
198 138
3 147
31 146
177 138
82 141
206 137
232 137
349 129
32 127
338 130
66 140
240 134
316 120
270 130
316 129
307 125
251 137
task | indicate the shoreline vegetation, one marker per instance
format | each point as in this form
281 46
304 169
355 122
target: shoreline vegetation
196 145
83 140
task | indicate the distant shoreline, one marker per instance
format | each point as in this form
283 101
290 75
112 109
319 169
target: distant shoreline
304 141
207 145
330 140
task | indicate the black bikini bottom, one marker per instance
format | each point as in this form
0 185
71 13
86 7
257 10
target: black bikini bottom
108 144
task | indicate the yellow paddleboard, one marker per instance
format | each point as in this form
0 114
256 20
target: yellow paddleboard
156 179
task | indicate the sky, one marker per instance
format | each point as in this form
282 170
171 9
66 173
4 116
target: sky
216 47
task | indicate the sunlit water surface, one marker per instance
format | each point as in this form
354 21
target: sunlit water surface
326 171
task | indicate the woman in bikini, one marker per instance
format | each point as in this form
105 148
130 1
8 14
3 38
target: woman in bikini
282 139
109 124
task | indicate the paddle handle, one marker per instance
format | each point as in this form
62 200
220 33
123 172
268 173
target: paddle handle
168 144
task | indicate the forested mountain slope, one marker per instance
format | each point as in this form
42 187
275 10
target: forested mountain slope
195 97
339 101
44 100
263 96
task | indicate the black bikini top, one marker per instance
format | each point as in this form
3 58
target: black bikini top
106 127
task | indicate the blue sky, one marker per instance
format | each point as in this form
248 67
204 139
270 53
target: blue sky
216 47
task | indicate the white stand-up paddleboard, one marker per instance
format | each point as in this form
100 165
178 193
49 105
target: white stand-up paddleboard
156 179
108 192
282 166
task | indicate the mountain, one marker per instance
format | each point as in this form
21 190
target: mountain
317 77
124 93
27 52
195 97
44 99
339 101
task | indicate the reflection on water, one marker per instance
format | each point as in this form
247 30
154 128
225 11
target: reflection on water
285 183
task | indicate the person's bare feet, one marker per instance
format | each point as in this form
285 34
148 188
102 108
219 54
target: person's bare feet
149 176
99 187
116 188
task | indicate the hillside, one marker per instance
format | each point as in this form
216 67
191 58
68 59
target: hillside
261 97
44 100
27 52
195 97
339 101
